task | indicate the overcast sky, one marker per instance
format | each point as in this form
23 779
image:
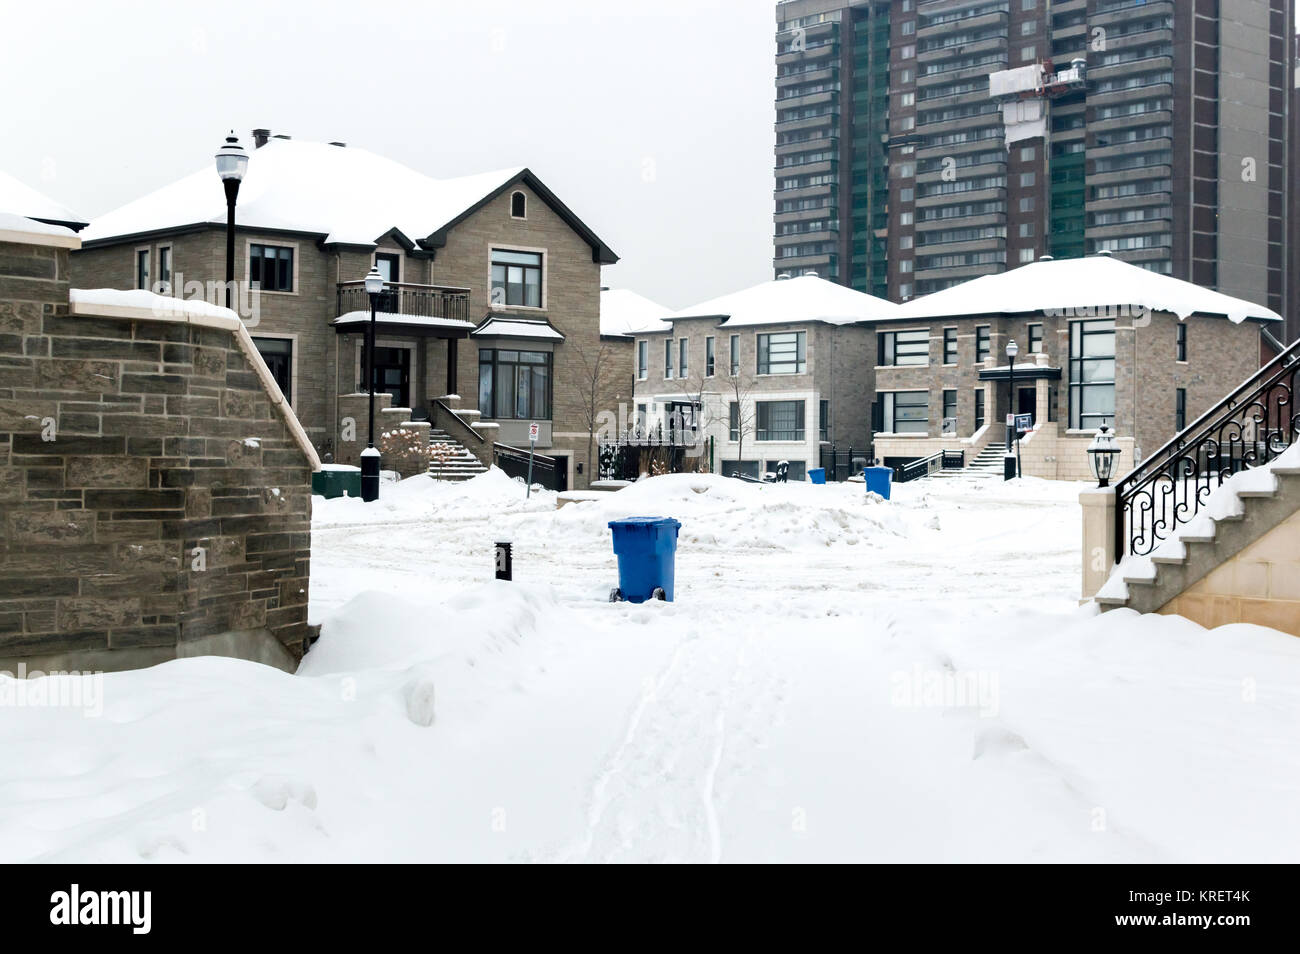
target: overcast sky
651 119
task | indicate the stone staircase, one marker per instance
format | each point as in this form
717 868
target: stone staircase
458 463
1268 497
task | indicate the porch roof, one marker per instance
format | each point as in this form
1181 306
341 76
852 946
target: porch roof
420 325
1027 372
512 327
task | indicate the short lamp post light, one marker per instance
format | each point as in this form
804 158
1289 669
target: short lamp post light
1103 455
232 163
370 456
1009 460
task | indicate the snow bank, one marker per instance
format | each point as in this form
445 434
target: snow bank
720 511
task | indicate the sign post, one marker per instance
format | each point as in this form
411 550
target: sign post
1024 424
532 446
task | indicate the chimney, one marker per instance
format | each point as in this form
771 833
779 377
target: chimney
809 273
341 145
783 277
260 136
1105 251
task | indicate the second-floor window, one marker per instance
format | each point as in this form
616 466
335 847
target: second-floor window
668 359
683 351
1181 343
165 266
516 278
735 355
642 360
271 267
142 269
1035 339
783 353
708 357
950 346
903 348
981 343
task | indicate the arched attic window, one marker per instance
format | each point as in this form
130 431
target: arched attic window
518 206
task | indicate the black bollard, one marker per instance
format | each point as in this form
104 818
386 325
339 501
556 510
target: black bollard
505 561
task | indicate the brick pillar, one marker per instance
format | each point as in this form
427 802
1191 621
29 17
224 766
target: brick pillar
1098 537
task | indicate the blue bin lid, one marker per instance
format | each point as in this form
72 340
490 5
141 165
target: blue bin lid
640 522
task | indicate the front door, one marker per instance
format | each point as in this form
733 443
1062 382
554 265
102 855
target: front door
1027 401
392 373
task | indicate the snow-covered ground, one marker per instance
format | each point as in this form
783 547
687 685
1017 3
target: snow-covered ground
839 678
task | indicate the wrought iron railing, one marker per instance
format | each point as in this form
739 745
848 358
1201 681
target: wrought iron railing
514 461
404 298
924 466
1251 426
671 450
838 464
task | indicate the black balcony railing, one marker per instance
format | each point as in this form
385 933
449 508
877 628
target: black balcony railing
404 298
1251 426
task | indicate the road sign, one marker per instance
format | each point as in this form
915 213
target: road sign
1024 422
532 431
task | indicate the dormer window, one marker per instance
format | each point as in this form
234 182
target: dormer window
518 206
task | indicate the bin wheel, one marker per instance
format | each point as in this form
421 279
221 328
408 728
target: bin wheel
616 595
658 594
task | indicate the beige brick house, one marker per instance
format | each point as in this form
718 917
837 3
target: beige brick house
1099 340
493 302
772 373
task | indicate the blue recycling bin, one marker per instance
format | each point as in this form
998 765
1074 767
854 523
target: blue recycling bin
647 553
878 480
817 475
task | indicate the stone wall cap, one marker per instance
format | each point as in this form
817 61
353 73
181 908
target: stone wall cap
24 231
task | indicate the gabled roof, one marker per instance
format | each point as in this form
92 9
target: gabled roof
623 312
341 194
791 300
20 199
1074 284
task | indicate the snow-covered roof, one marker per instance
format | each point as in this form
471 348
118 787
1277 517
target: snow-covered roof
349 195
392 318
789 300
624 312
21 199
1097 281
517 328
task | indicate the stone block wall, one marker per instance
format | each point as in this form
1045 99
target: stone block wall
155 497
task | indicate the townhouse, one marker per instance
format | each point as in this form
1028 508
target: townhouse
490 320
772 373
1099 341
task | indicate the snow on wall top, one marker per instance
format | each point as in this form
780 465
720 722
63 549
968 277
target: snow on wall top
624 312
350 195
789 300
9 222
1097 281
21 199
162 305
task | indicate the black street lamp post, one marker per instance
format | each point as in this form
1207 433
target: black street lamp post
370 456
1009 459
232 163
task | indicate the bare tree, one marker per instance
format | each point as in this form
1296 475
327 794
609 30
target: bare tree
739 388
592 363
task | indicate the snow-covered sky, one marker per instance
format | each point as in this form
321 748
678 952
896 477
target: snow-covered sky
652 119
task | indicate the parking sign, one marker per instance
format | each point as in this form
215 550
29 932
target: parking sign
532 432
